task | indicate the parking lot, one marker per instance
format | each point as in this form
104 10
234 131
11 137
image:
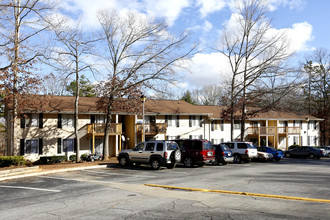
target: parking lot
118 193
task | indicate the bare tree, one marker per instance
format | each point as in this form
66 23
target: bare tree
139 53
71 53
252 51
20 23
54 85
317 88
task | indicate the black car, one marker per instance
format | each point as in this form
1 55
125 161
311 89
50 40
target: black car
223 154
305 151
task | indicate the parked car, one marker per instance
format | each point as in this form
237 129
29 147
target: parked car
155 153
223 154
197 152
277 154
326 150
264 156
305 151
242 151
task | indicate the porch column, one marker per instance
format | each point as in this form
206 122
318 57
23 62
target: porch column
117 150
267 133
93 129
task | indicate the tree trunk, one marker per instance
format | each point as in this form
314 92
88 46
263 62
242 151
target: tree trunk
76 113
107 130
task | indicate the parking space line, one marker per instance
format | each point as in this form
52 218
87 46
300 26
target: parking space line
31 188
242 193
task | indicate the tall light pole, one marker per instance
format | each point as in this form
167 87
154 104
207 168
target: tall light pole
143 100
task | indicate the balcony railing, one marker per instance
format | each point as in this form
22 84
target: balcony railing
98 129
289 130
152 128
272 130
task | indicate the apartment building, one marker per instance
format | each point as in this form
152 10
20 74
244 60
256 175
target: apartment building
46 126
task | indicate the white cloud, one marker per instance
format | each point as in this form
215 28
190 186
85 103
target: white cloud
299 35
210 6
206 69
87 10
170 9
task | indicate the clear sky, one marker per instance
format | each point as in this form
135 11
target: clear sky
305 21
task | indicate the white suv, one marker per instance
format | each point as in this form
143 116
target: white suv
155 153
242 151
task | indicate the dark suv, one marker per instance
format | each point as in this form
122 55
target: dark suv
197 152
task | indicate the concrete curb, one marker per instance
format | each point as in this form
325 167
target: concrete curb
38 173
241 193
18 171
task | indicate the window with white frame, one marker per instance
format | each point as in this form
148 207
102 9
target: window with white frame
32 120
68 145
237 124
295 140
169 120
99 119
297 123
67 121
192 121
31 146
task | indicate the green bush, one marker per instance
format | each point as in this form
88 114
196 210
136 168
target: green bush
73 157
84 157
6 161
52 159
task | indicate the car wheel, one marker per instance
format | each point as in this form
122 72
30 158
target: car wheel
288 155
224 163
155 164
188 162
216 161
177 156
277 159
247 161
123 161
237 158
171 166
312 156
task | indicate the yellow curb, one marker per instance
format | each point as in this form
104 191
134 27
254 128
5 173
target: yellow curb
242 193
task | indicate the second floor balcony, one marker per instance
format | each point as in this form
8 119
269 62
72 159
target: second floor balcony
151 128
271 131
97 129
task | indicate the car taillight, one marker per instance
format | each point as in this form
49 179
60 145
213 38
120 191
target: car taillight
247 152
223 153
165 155
322 152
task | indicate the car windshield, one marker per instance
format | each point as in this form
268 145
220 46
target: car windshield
207 145
224 147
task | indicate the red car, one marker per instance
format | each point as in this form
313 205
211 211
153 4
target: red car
197 152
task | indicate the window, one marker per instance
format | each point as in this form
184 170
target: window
237 124
212 126
32 120
222 140
192 121
150 147
68 145
241 146
169 120
221 125
139 147
67 121
160 147
31 146
150 119
99 119
297 123
295 140
177 122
